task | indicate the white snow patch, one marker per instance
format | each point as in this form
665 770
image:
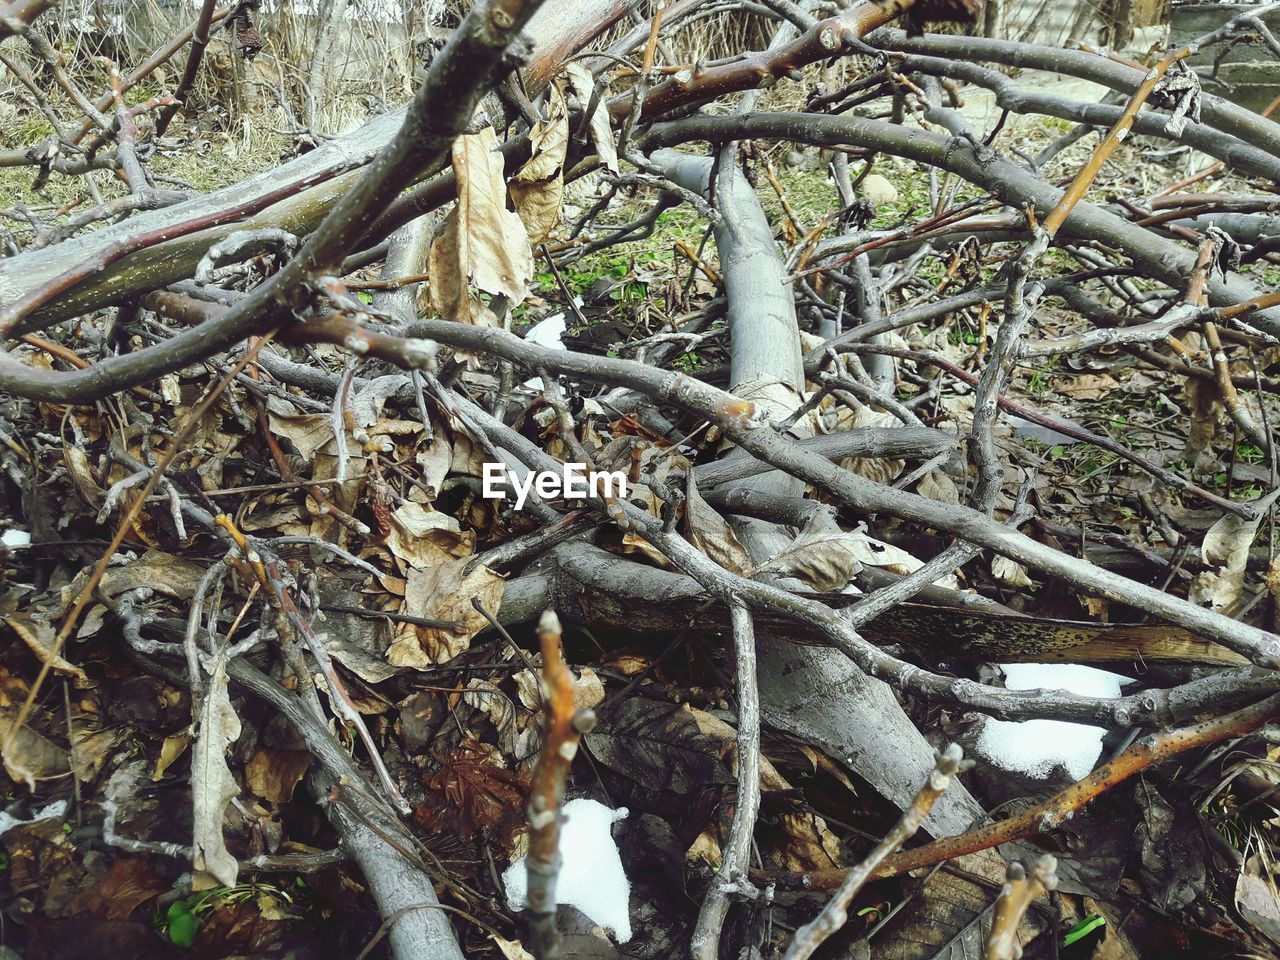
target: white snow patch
53 811
1034 747
547 333
591 875
15 538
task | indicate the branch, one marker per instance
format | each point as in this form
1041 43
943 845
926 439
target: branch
1057 809
735 858
564 727
835 914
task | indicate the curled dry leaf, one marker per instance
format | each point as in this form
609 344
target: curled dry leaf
822 556
30 757
588 690
711 533
1257 900
212 786
583 86
41 638
936 485
827 557
172 748
272 774
1226 550
444 592
159 571
511 949
879 469
81 473
422 537
483 244
1010 572
778 400
537 189
89 750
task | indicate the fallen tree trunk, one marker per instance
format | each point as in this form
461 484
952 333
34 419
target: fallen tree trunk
818 695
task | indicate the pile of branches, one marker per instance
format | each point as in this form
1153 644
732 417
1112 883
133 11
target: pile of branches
322 346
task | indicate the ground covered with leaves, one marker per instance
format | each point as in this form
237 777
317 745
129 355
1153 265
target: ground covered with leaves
936 620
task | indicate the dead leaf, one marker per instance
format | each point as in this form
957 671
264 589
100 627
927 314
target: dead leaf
130 882
879 469
936 485
172 748
511 949
711 533
89 749
273 774
31 757
582 83
77 464
160 571
444 592
309 432
537 189
1226 551
588 690
423 537
483 244
659 745
822 556
476 792
1089 386
40 637
1256 899
212 786
1010 572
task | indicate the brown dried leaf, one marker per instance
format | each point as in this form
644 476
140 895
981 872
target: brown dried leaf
659 745
89 750
936 485
711 533
31 757
444 592
77 463
1226 551
476 793
160 571
1010 572
537 189
172 748
588 690
582 83
822 556
423 537
273 774
511 949
130 882
483 244
40 637
1256 899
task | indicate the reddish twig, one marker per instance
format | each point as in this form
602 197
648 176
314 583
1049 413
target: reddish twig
199 41
1050 813
564 728
1021 889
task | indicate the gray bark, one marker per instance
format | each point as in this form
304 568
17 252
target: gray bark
814 693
